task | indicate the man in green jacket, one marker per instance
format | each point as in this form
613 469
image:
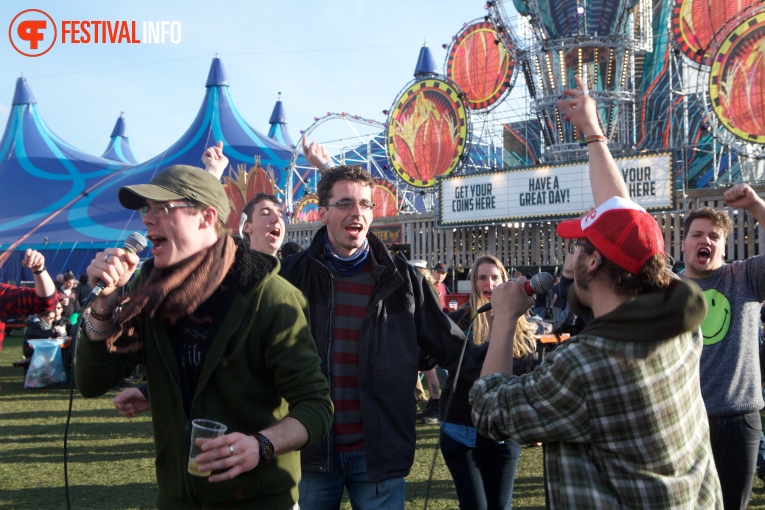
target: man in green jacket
222 337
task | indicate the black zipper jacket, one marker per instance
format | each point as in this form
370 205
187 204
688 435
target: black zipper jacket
403 317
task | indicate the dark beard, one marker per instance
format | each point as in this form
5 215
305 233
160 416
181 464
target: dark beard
581 280
577 307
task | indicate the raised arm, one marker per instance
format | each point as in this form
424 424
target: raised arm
579 108
214 160
742 196
315 153
35 261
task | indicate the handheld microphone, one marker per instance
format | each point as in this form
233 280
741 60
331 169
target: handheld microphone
539 284
135 244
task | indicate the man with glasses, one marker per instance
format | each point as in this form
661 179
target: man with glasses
222 337
618 407
263 229
370 311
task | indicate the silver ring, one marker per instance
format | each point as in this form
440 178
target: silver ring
106 258
230 450
581 92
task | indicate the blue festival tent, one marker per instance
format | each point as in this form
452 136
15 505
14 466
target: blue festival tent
43 177
217 120
74 205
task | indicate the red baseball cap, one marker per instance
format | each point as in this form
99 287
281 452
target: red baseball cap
619 229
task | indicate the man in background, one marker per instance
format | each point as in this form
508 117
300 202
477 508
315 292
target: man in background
730 369
439 275
263 224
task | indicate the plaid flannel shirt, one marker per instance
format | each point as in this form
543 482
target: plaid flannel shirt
20 302
623 423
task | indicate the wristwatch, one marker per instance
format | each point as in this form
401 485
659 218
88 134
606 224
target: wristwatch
267 451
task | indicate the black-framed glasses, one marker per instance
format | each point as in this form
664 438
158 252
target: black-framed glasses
161 209
347 204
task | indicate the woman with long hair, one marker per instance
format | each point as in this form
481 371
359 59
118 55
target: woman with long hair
483 470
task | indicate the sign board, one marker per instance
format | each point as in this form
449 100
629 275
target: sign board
388 233
549 192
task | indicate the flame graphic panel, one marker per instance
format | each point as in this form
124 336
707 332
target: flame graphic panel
696 22
384 197
427 132
737 80
480 65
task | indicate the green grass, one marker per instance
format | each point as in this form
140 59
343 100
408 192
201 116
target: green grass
111 459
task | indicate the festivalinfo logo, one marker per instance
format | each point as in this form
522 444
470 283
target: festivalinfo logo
33 32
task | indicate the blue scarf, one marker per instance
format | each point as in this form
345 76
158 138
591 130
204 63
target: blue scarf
345 266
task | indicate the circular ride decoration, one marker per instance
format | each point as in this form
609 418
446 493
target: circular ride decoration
307 210
481 64
696 22
386 199
427 131
364 148
737 80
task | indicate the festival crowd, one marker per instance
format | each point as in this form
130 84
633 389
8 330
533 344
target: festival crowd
312 356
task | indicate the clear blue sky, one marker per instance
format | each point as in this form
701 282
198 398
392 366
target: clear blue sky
334 55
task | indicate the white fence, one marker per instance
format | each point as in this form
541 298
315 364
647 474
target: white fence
532 244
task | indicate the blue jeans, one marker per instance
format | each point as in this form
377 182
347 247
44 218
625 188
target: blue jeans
483 476
735 442
324 491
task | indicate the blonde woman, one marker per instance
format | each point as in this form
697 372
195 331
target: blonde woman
483 470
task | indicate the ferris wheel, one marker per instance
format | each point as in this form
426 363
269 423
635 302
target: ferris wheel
364 145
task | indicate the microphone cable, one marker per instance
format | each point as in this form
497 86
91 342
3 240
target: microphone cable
446 411
75 339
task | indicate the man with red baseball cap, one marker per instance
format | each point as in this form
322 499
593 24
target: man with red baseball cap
619 406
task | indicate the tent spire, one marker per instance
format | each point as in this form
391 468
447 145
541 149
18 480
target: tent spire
426 65
217 75
278 116
278 123
119 128
119 148
23 94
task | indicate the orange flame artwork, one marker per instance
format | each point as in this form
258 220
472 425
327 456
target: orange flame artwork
480 64
737 80
695 24
384 195
427 132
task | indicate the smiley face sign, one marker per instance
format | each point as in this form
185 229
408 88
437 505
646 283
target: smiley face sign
716 323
